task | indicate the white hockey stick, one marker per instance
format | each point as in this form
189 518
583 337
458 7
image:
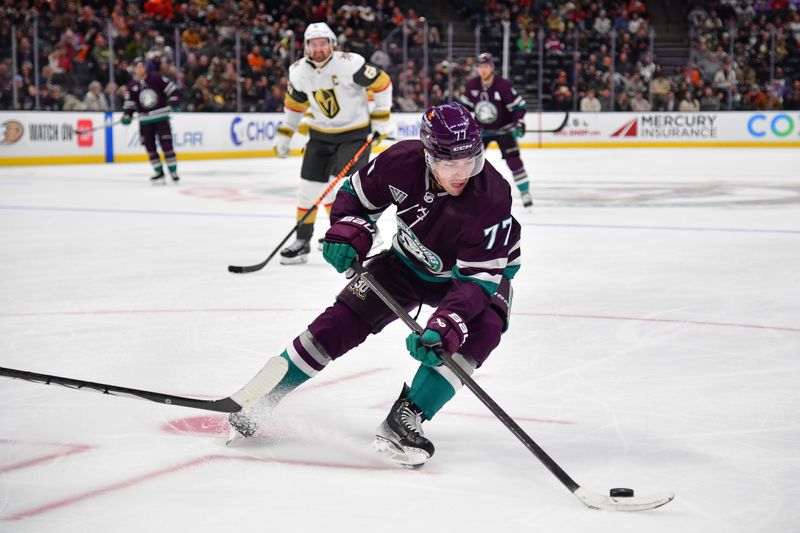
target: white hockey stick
264 381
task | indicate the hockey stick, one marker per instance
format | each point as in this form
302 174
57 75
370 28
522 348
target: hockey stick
263 382
100 127
590 499
253 268
559 128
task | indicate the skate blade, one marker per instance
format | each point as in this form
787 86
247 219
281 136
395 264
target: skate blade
234 437
405 457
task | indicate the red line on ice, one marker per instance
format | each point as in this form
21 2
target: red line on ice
36 511
72 449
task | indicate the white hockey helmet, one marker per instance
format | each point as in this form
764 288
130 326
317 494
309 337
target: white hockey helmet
315 31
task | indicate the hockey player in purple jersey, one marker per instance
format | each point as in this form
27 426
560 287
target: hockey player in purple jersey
456 249
500 112
151 95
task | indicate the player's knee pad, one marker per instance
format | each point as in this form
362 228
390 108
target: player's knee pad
338 329
310 191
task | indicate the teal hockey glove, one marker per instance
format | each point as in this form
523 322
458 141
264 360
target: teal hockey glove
423 347
339 255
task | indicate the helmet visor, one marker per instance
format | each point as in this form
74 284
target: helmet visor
466 167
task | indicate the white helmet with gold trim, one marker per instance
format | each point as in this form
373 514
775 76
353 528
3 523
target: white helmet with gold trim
318 30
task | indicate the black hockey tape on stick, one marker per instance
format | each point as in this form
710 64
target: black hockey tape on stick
588 498
225 405
556 130
96 128
254 268
264 381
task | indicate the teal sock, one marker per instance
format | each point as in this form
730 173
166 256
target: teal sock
523 187
173 169
294 378
158 168
430 391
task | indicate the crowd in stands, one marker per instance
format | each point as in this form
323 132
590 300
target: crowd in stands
745 54
598 55
192 41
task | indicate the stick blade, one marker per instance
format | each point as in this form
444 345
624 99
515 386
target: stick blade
593 500
245 269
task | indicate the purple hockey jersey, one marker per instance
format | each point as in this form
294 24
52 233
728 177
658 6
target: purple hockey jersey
151 97
471 239
497 108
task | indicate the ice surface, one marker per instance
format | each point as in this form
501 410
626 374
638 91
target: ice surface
655 344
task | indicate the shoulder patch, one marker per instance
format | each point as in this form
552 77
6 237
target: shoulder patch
370 72
397 194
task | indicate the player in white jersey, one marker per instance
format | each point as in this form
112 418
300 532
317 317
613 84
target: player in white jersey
335 87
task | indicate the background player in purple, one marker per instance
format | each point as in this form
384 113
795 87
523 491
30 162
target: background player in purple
151 95
456 249
500 112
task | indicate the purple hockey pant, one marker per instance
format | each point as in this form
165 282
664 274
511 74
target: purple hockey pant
358 311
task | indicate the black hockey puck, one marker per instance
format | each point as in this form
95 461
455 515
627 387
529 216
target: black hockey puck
621 493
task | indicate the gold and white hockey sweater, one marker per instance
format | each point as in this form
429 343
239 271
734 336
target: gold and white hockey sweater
342 96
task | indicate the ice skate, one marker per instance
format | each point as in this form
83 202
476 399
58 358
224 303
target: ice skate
175 178
158 178
245 423
242 426
527 200
296 253
400 438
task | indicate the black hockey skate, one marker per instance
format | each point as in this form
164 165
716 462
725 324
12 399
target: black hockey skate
158 178
175 178
400 438
296 253
527 200
245 423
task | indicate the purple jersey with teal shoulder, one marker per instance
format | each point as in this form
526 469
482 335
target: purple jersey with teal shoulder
471 240
497 108
151 97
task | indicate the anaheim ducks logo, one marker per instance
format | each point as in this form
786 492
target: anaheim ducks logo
326 99
148 98
411 244
11 132
485 112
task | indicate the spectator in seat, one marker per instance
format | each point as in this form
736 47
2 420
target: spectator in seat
605 99
640 104
688 102
589 103
709 101
95 100
660 87
725 77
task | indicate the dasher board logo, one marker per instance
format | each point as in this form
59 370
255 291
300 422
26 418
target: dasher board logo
11 131
579 127
50 132
670 126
